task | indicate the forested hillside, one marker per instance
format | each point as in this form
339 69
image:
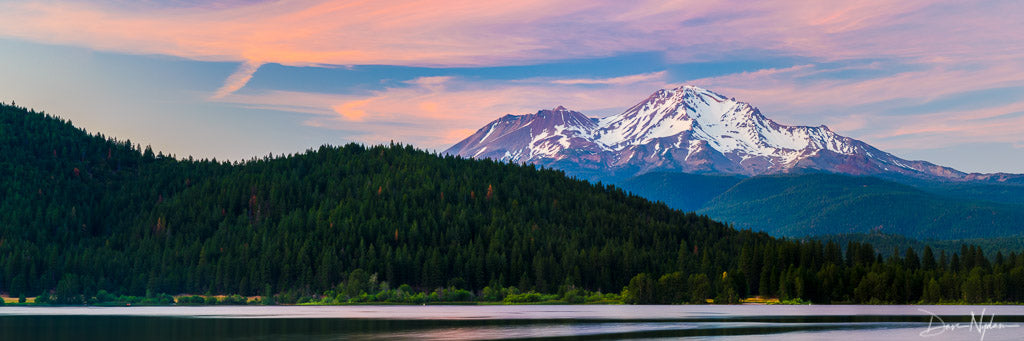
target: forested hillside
816 204
81 213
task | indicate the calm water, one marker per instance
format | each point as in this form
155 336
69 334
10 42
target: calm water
513 322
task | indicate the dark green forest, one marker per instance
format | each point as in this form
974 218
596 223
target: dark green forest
83 215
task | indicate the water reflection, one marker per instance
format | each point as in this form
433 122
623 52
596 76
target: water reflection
495 322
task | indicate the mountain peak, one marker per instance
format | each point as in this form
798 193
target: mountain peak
560 116
685 129
683 92
689 87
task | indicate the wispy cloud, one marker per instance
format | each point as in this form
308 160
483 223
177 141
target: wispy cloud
933 130
238 79
630 79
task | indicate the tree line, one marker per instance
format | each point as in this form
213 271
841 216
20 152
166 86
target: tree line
81 213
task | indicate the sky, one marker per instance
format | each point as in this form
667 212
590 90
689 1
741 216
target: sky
941 81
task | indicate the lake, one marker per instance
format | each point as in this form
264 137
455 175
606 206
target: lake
572 322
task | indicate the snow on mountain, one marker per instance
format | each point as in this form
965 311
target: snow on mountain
686 129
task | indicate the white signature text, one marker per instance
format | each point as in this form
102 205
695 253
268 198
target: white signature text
980 324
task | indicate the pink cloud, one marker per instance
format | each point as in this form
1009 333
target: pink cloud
482 33
435 112
295 32
352 110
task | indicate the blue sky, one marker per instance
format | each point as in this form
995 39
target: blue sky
932 80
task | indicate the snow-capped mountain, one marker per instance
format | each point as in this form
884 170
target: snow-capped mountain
686 129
